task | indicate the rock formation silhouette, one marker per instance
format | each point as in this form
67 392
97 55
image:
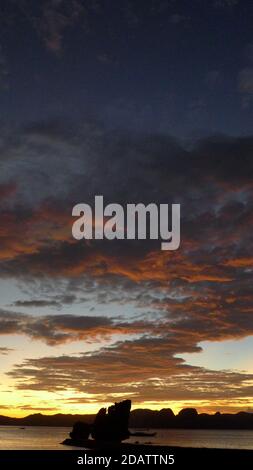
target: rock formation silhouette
80 430
109 427
112 425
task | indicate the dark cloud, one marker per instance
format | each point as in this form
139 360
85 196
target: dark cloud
38 408
5 351
58 329
55 301
122 166
144 369
36 303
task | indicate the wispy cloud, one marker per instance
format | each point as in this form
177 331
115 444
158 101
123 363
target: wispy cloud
5 351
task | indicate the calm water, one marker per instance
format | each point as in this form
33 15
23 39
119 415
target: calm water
33 437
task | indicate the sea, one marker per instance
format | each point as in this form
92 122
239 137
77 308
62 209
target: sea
50 438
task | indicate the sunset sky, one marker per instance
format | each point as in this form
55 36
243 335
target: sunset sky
138 101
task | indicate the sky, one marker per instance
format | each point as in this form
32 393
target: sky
148 101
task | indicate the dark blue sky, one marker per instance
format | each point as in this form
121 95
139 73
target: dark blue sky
180 67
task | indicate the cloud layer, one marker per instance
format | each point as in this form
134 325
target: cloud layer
176 300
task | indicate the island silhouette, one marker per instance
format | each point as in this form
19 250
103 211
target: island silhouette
187 418
111 426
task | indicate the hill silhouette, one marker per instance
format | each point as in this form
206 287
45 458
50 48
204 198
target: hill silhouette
187 418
